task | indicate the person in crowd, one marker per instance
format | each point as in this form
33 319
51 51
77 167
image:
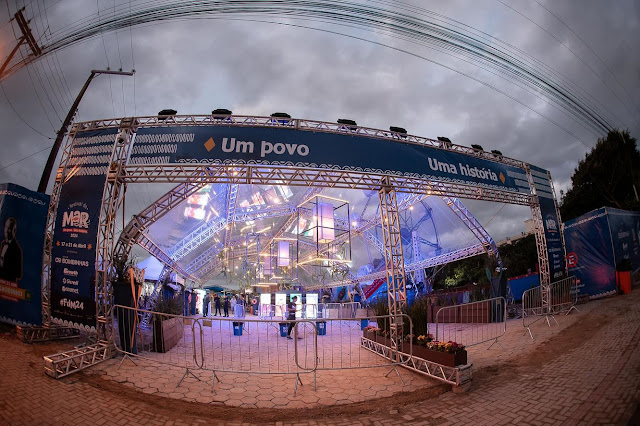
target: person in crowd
233 302
217 303
205 308
226 306
291 315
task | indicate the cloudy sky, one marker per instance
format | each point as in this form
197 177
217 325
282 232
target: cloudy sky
253 66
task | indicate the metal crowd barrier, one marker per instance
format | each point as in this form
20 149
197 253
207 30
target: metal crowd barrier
272 311
341 310
563 295
167 341
255 346
472 323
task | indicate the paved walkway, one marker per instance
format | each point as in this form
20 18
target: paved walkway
586 370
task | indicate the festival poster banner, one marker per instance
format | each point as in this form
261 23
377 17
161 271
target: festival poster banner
291 147
23 218
73 253
625 235
590 253
550 223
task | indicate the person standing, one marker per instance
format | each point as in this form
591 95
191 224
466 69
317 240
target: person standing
216 300
205 308
226 306
291 315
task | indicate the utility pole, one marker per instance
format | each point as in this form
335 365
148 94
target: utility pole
44 180
27 37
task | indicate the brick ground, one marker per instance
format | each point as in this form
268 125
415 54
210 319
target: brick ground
584 371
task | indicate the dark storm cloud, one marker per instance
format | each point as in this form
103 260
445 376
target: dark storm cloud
257 68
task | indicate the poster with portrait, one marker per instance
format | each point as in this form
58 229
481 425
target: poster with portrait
23 217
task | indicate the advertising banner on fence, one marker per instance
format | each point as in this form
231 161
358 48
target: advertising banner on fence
551 223
590 253
292 147
23 217
73 253
625 236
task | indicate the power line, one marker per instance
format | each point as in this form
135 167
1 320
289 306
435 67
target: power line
18 114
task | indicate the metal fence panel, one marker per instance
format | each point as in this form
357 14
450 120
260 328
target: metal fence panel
472 323
169 340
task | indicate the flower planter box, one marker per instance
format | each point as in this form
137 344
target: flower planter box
166 333
442 358
369 335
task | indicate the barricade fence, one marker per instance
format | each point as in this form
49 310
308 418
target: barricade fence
252 345
563 295
255 346
169 339
472 323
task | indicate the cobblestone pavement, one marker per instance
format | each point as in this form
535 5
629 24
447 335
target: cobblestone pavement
586 370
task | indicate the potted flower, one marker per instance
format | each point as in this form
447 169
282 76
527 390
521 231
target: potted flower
450 354
369 332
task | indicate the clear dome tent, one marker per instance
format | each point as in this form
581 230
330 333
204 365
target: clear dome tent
218 233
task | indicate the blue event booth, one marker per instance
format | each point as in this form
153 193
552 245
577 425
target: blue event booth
598 242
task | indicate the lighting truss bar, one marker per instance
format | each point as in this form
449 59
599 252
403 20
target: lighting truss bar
408 201
474 226
65 363
426 263
197 237
368 235
303 176
158 253
293 217
300 124
231 211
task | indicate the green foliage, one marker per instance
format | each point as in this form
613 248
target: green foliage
418 314
173 306
520 256
381 308
605 177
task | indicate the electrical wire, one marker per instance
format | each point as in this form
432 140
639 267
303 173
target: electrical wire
404 25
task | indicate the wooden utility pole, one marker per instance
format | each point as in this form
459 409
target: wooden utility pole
27 37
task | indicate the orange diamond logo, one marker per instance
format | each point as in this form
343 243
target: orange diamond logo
502 178
210 144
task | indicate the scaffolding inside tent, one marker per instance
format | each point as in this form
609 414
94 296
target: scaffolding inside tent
206 235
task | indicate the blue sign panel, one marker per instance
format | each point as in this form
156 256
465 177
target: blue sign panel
625 236
73 253
590 253
551 223
23 217
291 147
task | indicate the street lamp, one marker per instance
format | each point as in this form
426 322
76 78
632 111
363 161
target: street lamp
44 180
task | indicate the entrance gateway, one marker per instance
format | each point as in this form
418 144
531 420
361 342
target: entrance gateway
101 156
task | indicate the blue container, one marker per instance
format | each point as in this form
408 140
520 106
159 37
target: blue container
321 327
284 327
237 329
364 323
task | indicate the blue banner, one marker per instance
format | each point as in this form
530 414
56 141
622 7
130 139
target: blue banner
73 253
590 253
625 236
23 217
550 222
291 147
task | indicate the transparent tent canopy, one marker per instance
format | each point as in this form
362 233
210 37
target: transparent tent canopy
218 244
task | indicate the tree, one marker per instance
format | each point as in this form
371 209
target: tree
607 176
